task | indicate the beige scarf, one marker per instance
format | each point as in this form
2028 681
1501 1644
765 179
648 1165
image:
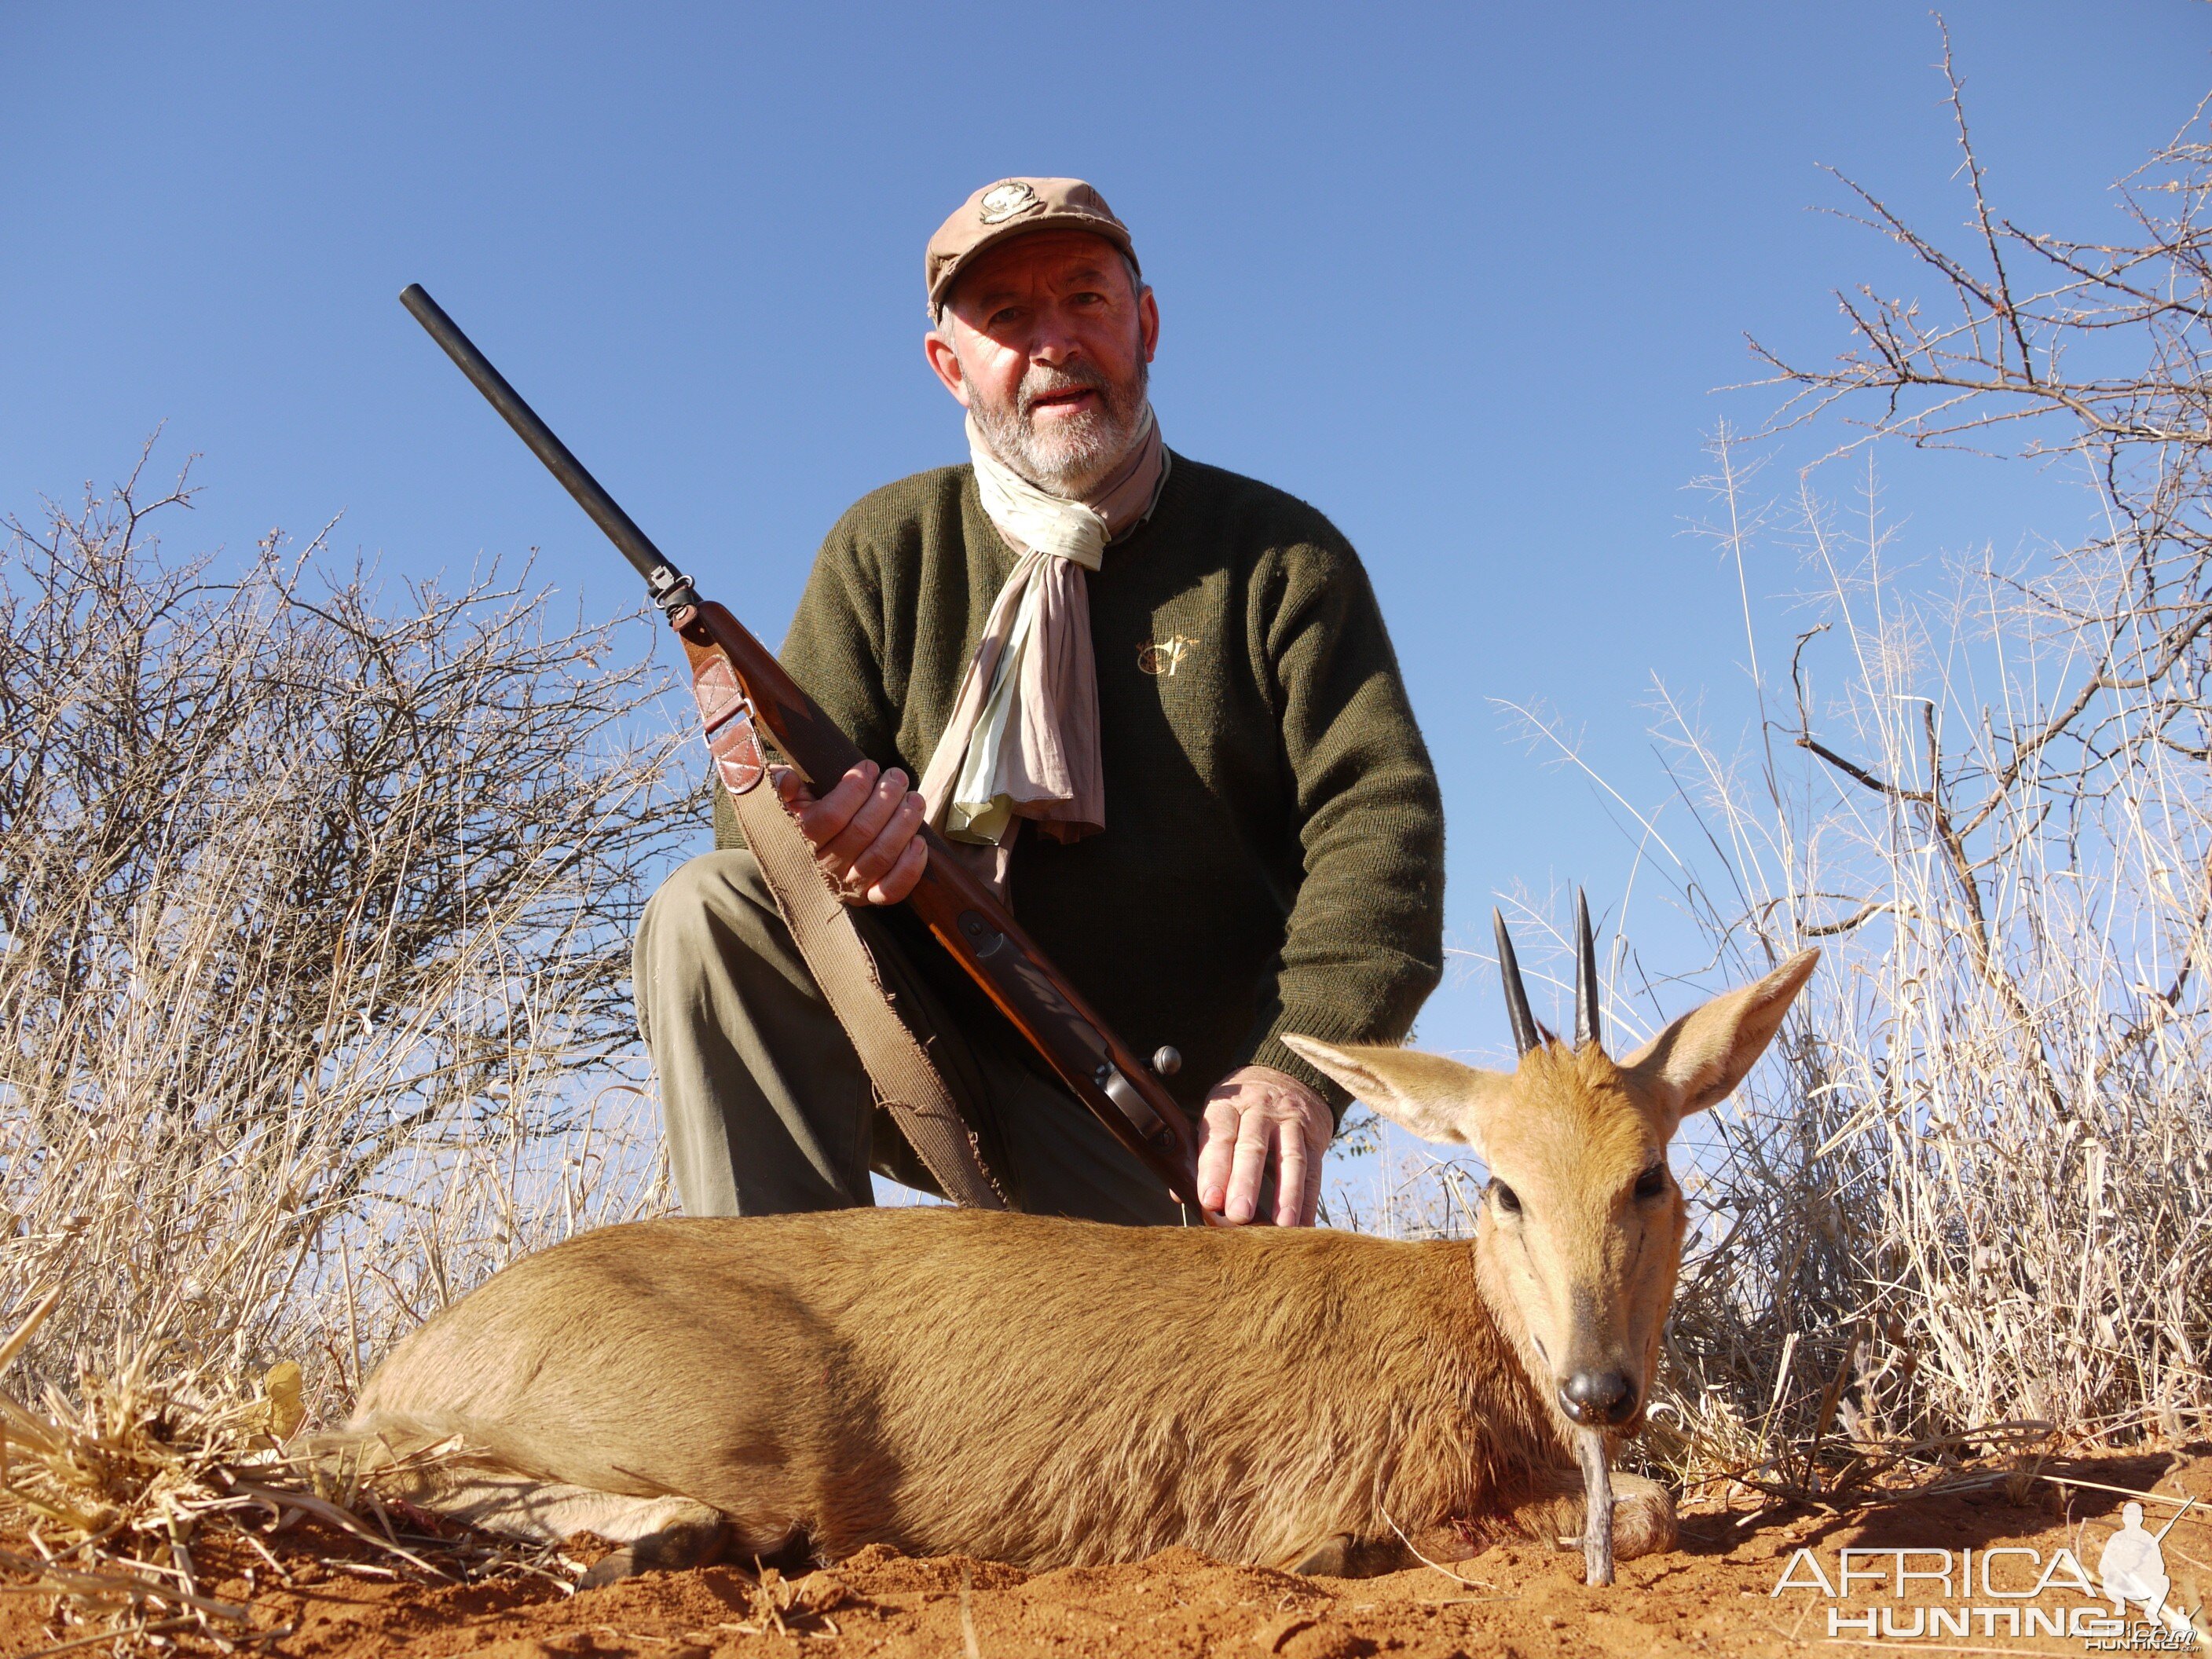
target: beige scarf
1023 742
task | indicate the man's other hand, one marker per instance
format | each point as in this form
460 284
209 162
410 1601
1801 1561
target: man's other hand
865 832
1259 1118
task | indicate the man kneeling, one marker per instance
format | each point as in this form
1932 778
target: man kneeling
1078 616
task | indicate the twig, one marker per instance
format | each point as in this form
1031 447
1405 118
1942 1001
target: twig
157 1627
1413 1550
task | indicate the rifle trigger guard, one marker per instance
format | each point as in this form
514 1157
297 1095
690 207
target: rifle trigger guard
726 713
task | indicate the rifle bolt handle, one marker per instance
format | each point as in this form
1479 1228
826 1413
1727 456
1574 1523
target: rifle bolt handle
1166 1060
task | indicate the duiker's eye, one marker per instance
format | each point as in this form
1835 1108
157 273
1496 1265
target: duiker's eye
1508 1200
1652 1181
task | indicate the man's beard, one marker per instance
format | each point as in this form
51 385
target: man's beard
1071 456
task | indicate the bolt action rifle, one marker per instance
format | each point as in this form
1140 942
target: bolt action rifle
741 689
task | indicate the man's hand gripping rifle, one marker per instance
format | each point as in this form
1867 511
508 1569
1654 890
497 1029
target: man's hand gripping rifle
743 690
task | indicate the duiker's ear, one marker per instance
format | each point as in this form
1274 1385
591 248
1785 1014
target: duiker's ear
1698 1060
1435 1098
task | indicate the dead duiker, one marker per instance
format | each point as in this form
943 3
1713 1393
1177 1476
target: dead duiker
1048 1392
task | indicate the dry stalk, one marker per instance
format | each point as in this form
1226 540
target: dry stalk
1979 1180
793 1607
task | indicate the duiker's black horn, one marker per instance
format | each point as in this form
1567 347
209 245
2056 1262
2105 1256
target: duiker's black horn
1527 1034
1586 1014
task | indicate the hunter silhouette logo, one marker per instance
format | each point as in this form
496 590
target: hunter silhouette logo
1163 656
2133 1566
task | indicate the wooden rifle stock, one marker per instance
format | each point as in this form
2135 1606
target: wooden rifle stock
959 909
968 921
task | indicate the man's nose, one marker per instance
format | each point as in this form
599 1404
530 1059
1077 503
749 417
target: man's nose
1053 340
1598 1399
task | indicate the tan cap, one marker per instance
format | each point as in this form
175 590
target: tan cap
1017 207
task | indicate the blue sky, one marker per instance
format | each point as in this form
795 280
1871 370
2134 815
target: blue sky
1465 276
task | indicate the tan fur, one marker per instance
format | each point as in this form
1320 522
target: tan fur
1048 1392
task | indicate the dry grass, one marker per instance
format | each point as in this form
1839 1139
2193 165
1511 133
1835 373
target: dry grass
116 1481
313 946
1967 1205
314 916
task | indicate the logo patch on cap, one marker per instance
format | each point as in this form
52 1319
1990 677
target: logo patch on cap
1002 202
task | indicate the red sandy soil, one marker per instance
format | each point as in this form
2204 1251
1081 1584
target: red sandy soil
1713 1595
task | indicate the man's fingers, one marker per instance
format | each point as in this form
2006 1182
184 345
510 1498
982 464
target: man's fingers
790 788
904 874
1290 1200
864 831
875 811
1249 1167
1217 1152
876 860
1319 1130
1257 1118
826 819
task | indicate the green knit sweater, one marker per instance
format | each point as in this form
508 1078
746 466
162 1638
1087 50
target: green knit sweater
1272 859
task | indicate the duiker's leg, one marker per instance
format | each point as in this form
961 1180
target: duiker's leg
652 1534
1642 1514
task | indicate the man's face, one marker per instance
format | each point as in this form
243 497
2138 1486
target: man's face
1046 341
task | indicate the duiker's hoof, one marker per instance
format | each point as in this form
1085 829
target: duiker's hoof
1341 1555
1330 1559
672 1549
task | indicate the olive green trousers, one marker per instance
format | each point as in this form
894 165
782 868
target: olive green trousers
766 1105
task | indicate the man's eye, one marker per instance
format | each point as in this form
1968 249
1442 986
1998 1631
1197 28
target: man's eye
1508 1200
1652 1181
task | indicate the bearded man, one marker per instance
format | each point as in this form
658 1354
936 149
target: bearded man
1152 699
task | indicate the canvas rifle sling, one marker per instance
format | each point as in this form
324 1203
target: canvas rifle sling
904 1081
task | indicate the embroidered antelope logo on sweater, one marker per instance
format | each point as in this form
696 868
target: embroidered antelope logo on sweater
1163 656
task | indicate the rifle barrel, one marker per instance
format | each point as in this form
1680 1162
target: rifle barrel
670 589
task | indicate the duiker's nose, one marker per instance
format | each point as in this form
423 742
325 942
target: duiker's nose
1597 1399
